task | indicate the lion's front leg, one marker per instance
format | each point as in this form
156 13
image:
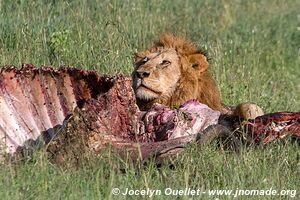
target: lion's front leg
244 110
248 110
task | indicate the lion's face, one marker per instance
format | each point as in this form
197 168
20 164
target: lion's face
172 72
156 74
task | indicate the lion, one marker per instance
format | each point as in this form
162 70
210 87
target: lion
174 71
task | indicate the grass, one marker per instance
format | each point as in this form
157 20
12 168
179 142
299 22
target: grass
255 55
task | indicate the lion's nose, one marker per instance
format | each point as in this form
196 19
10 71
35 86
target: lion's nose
142 74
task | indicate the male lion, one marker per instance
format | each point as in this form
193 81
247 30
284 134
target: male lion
174 71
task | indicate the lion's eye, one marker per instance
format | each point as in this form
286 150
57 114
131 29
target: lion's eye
145 59
195 65
165 62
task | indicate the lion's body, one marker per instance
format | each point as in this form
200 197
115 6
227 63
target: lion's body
174 71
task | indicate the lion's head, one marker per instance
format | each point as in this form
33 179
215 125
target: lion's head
172 72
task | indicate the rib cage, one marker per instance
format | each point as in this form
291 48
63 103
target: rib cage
34 100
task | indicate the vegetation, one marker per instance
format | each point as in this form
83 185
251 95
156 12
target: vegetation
254 48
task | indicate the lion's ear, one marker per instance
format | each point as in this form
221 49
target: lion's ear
198 62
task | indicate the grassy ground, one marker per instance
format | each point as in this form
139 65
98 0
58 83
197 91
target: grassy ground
255 55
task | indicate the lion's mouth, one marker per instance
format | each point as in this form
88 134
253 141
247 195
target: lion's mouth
144 92
143 86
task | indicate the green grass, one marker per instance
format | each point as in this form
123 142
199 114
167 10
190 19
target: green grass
255 56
